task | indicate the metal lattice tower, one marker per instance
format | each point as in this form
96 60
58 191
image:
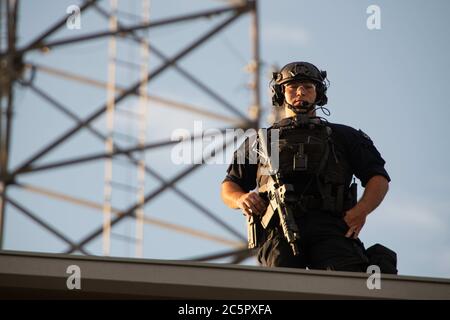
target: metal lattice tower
134 117
18 70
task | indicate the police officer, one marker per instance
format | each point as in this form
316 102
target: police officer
319 159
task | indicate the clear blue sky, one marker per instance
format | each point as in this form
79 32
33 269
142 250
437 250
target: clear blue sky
391 83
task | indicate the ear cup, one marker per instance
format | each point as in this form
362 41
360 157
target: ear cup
277 90
322 98
277 95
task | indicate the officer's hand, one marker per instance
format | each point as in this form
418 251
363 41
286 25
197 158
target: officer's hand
252 204
355 220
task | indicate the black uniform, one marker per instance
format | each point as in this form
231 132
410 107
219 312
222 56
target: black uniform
323 244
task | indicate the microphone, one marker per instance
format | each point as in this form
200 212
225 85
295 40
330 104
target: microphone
304 107
305 104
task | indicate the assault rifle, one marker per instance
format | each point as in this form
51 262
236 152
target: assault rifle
280 196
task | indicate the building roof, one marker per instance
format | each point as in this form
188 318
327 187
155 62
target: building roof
43 275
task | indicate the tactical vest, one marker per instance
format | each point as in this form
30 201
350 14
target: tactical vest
308 161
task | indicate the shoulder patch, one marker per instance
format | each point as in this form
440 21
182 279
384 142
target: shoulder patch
364 135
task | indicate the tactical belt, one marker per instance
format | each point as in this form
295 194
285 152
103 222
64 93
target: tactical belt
308 203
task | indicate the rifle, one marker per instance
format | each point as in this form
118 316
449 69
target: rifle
280 195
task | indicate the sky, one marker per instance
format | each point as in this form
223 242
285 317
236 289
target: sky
390 82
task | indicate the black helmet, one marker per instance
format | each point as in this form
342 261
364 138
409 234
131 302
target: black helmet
299 71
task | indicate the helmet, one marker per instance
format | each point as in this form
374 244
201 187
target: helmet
299 71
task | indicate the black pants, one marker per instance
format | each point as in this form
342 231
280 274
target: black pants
322 246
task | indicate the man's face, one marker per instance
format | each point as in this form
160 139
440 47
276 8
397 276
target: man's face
295 92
